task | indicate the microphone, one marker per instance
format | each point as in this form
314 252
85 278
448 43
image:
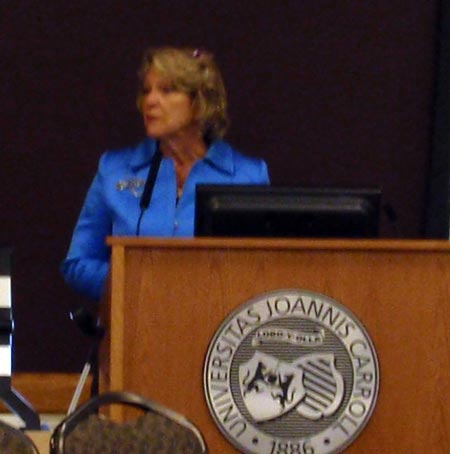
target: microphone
148 188
150 183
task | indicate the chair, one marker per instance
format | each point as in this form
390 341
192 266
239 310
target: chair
157 430
14 441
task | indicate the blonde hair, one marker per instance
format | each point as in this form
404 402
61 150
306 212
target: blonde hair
195 72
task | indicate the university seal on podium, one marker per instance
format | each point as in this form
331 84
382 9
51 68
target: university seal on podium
289 372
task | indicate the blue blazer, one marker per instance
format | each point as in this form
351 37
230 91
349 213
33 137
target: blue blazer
112 206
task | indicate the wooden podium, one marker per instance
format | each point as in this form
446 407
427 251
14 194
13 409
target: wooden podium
168 297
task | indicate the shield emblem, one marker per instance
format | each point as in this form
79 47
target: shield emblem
270 387
324 386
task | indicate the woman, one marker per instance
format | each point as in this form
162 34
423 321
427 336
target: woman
183 104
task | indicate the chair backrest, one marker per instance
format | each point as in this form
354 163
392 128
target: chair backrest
157 430
14 441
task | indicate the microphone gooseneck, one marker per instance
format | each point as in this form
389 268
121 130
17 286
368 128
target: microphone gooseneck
149 185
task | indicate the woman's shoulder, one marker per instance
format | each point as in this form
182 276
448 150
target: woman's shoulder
238 163
131 156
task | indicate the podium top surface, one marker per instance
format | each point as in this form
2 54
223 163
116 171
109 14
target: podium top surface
280 243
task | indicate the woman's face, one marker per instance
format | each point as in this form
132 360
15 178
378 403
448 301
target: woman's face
167 112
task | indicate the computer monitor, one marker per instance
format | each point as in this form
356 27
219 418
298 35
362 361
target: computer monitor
287 212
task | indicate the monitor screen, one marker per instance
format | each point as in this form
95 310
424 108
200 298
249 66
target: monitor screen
292 212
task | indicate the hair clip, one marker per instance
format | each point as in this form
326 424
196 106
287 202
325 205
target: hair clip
197 53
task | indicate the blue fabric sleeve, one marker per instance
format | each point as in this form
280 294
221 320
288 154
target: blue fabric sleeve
87 263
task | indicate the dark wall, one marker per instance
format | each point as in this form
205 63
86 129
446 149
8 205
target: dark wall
327 92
